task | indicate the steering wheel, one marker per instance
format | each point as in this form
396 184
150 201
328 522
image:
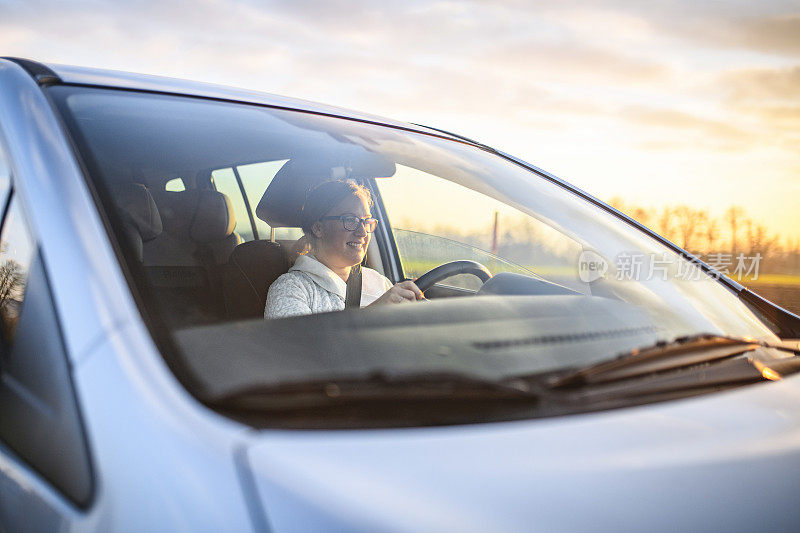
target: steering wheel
435 275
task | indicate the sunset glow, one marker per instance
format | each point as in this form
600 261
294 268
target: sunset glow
656 103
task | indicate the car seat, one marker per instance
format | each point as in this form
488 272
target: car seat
184 264
252 268
141 221
255 265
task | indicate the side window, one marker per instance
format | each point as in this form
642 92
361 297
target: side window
39 417
175 185
420 252
471 225
255 178
225 182
16 253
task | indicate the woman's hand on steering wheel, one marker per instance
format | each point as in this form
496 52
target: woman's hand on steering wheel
405 291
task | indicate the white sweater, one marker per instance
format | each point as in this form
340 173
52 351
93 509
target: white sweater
311 287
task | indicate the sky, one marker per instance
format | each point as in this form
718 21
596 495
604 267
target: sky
653 102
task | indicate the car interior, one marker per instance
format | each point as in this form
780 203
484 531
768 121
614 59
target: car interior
197 268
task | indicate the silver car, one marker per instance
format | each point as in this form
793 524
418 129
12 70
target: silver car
569 370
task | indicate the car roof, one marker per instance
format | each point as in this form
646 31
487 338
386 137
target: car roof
76 75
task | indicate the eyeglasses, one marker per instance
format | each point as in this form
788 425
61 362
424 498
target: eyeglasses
351 222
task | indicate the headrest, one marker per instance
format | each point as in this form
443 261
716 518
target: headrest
137 204
199 215
284 198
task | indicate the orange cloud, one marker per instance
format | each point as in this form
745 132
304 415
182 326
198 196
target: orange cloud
574 61
713 133
760 84
775 34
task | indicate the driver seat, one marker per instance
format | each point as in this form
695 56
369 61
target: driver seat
251 269
254 265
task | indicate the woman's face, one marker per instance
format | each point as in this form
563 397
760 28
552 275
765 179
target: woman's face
336 247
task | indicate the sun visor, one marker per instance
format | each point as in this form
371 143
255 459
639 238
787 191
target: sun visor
283 200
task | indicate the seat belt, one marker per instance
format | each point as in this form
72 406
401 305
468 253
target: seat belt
353 296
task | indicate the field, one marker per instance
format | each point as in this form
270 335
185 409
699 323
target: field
787 295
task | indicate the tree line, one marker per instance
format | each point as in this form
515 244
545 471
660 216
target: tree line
735 232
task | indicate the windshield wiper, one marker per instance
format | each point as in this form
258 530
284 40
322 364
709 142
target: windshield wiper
679 353
376 386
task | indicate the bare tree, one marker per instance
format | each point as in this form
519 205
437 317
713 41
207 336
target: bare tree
12 280
618 203
759 240
733 218
711 229
665 223
689 223
642 215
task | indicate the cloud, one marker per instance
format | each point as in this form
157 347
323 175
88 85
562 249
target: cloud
761 84
415 32
773 35
786 118
585 84
766 26
655 146
768 98
575 61
688 129
667 118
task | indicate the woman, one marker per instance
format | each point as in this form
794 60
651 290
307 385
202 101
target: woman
337 225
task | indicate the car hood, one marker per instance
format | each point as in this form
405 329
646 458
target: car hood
727 461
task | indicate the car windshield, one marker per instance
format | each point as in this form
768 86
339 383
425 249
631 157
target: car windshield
190 185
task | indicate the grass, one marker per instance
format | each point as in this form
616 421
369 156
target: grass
772 279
